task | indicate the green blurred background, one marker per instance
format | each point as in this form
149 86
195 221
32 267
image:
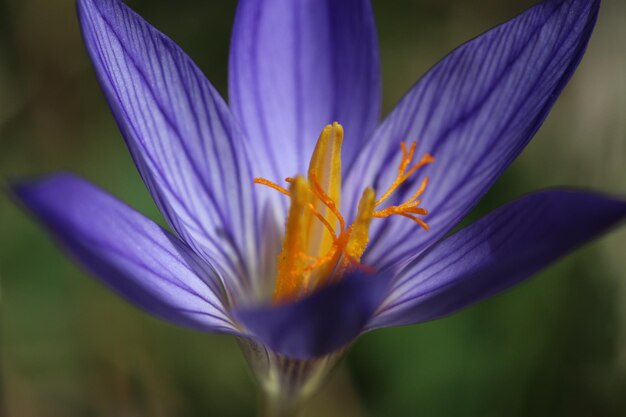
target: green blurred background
555 346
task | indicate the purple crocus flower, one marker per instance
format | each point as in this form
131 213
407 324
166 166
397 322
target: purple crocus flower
297 278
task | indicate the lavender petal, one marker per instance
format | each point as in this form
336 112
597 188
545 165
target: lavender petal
129 253
497 252
180 133
320 324
474 112
296 66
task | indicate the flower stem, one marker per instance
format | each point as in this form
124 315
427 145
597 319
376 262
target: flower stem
279 407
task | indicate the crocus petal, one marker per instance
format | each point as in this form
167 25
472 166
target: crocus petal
319 324
474 112
296 66
497 252
135 257
179 131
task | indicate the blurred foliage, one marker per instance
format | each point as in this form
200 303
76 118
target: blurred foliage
555 346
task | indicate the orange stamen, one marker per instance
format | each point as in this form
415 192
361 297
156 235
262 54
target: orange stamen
403 175
272 185
310 258
321 218
410 207
420 191
328 202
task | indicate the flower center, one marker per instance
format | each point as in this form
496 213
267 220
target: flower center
318 247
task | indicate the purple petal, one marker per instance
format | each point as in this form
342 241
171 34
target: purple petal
179 132
135 257
296 66
474 112
497 252
320 324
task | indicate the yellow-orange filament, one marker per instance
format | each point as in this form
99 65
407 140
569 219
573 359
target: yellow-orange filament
272 185
410 207
318 246
314 211
328 201
324 222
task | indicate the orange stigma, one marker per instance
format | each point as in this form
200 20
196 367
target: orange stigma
318 246
409 208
